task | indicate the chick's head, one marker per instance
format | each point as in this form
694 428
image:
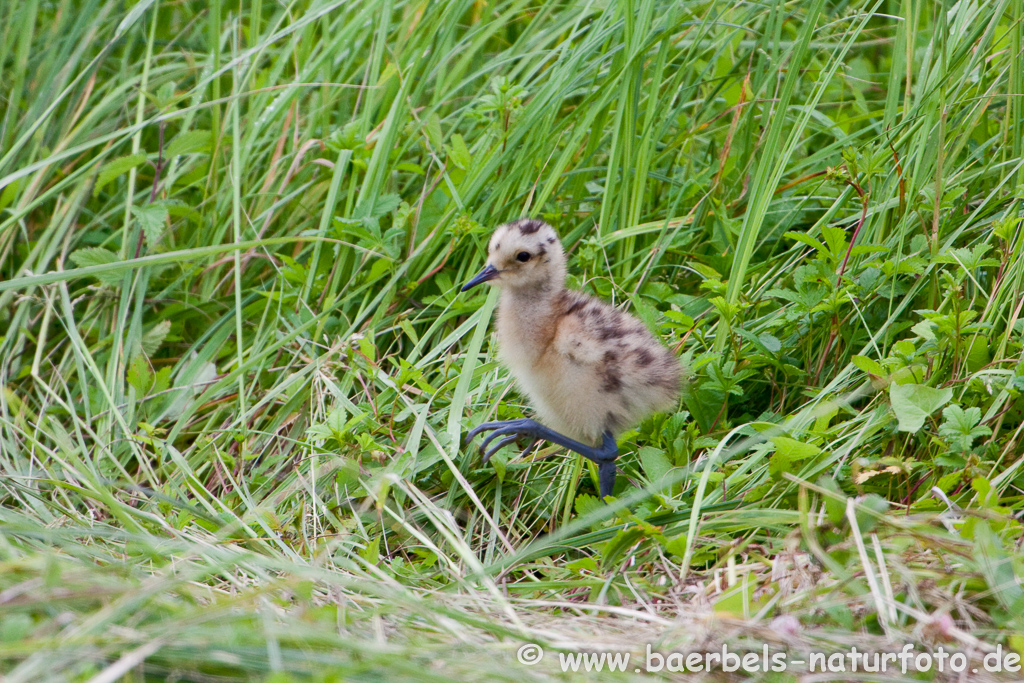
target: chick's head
524 254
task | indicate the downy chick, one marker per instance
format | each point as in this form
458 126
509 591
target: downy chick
589 369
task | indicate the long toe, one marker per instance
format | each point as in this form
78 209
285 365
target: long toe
519 425
508 428
498 446
482 427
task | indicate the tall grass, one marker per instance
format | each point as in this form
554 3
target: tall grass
236 369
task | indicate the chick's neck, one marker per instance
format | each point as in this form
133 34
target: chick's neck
527 315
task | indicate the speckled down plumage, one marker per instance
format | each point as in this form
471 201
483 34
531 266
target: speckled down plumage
587 367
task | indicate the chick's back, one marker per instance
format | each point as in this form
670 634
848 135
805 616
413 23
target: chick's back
601 369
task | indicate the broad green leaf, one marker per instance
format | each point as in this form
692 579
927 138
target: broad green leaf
460 152
152 218
97 256
371 551
140 375
155 336
978 355
913 403
432 128
771 343
793 449
586 503
924 329
788 451
806 239
116 167
190 142
656 463
997 568
869 365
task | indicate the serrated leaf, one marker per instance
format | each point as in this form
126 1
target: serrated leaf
140 375
152 218
869 365
337 420
793 449
499 461
371 552
319 431
913 403
656 464
787 452
961 427
925 330
586 503
432 128
978 355
97 256
190 142
618 544
770 342
582 564
116 167
162 379
152 339
460 152
835 504
804 238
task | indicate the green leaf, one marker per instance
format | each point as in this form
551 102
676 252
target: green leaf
140 375
190 142
793 449
155 336
961 427
97 256
869 365
997 568
787 452
460 152
806 239
835 505
656 463
582 564
371 551
499 462
925 330
586 504
905 349
978 355
913 403
152 218
432 128
116 167
771 343
162 380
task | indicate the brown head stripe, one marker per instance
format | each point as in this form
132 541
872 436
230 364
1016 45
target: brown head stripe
528 227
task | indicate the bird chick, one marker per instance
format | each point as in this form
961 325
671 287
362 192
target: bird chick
589 369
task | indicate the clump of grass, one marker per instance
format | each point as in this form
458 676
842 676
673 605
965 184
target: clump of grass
235 368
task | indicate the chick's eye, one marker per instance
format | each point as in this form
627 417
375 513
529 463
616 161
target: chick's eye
523 256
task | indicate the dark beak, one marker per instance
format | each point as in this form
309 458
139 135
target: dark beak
488 273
